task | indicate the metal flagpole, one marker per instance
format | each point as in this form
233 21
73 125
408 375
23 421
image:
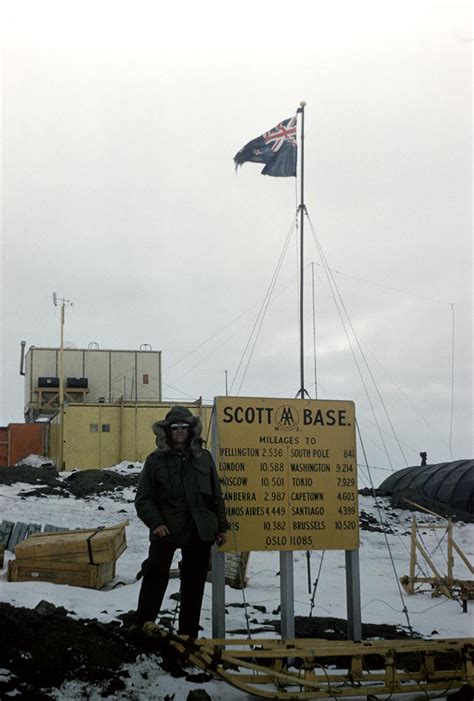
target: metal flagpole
315 362
287 599
286 558
302 210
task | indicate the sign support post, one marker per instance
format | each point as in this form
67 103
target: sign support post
218 593
354 615
218 567
287 595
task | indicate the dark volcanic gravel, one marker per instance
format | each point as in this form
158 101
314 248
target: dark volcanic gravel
30 475
90 482
43 647
80 484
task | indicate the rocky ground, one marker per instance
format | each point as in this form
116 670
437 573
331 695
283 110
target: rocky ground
44 646
80 484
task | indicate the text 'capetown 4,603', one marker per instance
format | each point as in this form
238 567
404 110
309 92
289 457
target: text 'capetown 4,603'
288 471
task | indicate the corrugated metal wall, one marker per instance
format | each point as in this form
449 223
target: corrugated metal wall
111 374
17 441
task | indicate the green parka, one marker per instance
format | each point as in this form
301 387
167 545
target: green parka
181 491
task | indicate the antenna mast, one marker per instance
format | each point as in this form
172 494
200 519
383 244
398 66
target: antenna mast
62 302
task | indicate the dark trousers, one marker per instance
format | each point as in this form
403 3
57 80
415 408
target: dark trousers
194 566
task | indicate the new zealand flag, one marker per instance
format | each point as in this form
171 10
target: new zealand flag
276 148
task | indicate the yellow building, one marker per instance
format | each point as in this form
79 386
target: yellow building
101 435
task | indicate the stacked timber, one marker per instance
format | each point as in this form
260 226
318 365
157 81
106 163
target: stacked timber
81 558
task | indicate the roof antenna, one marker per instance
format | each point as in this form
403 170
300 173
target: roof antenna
22 358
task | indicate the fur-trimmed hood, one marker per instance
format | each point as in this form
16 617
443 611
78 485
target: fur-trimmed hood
178 414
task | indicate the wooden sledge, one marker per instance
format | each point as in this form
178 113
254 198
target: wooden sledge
306 668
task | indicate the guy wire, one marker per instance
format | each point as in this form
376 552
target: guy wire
334 289
260 316
405 610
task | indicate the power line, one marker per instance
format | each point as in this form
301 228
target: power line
452 383
387 287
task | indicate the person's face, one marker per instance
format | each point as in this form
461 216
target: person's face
179 434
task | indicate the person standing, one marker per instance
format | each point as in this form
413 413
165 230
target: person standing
180 500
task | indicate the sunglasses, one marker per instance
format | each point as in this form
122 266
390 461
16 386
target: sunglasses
177 427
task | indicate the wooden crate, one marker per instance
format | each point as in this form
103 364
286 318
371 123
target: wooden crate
87 546
73 573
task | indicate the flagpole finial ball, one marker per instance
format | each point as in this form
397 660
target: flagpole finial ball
302 103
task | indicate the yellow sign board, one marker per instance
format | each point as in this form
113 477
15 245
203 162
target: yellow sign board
288 472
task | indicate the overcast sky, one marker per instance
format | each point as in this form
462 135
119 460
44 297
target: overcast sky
119 124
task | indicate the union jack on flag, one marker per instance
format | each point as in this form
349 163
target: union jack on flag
285 131
276 148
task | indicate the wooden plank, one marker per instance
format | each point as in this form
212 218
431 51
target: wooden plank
318 648
34 528
6 528
19 532
235 570
82 546
49 528
121 524
244 669
75 574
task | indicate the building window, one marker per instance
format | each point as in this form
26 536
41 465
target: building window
146 379
94 428
105 428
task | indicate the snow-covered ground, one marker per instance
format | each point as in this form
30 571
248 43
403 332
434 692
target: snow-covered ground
380 593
